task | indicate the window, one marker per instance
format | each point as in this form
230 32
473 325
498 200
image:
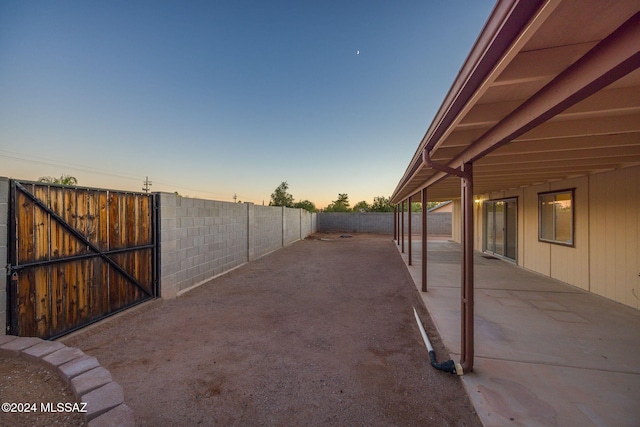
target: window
555 217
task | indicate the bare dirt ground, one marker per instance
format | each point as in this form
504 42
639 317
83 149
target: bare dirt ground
321 332
22 382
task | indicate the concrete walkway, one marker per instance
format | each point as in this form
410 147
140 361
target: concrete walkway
546 353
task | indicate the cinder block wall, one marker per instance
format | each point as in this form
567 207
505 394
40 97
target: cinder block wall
438 223
201 239
292 225
268 229
4 218
307 223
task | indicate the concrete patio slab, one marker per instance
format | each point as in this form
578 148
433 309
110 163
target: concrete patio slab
546 353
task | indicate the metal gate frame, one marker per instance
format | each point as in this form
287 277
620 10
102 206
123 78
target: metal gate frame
14 267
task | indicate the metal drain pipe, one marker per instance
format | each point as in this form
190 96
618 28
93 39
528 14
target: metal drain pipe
448 366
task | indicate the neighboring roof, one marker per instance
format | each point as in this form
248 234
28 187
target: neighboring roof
550 91
439 206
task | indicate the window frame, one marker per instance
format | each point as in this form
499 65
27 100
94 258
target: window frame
572 243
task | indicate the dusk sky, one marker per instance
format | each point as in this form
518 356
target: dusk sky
217 98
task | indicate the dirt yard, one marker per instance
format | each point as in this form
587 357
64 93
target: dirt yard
321 332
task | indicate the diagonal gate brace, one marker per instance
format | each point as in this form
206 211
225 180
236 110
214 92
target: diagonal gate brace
83 239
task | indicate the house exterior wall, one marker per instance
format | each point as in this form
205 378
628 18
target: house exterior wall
614 220
605 258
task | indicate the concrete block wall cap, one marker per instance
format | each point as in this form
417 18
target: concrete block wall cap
76 367
6 338
62 356
103 399
89 382
120 416
13 348
38 351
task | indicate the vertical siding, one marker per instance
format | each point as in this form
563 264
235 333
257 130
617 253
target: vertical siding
614 204
571 264
537 255
456 221
606 256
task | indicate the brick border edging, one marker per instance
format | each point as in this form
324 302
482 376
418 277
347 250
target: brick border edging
90 383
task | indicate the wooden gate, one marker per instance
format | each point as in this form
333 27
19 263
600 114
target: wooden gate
76 256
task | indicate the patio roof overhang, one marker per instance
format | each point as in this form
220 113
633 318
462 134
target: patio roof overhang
550 91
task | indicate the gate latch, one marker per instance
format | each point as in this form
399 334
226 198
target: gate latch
14 272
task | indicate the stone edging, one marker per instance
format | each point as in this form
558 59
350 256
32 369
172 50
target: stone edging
90 383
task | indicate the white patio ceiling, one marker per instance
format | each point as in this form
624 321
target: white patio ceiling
550 91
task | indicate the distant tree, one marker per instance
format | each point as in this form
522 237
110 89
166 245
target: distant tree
306 205
280 197
362 207
381 204
339 205
417 207
63 180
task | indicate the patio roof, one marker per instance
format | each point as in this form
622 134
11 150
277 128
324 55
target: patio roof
550 91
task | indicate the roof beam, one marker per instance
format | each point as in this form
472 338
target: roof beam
502 31
612 58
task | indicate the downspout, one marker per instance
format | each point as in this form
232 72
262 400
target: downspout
448 366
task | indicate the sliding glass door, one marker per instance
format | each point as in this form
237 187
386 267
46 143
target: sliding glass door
501 227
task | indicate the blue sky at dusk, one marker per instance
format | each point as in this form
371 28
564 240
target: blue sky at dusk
217 98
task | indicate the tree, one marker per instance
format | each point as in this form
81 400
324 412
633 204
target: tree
362 207
381 204
280 197
339 205
306 205
417 206
63 180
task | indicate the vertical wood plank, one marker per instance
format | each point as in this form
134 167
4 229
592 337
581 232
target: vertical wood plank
71 294
42 303
82 289
102 213
58 249
26 304
25 229
58 309
93 217
129 221
114 221
70 215
81 219
41 223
